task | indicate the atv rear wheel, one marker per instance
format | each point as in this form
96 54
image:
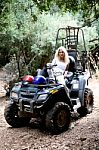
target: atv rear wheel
58 118
88 103
88 97
12 117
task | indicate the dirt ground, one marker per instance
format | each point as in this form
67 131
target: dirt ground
83 133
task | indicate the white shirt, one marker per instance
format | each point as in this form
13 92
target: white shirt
60 65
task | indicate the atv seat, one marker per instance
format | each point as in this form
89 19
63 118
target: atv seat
73 53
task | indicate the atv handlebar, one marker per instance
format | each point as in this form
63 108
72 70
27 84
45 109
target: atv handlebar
50 65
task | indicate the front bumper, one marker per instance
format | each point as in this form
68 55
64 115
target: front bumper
31 106
25 107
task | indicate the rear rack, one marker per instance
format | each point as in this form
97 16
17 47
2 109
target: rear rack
68 37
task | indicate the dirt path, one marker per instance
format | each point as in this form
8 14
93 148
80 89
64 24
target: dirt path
82 135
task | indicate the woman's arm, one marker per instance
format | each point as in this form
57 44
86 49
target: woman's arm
53 61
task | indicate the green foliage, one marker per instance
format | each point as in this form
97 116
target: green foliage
89 9
29 33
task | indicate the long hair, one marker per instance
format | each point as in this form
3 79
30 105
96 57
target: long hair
66 59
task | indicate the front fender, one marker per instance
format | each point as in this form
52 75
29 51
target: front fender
59 96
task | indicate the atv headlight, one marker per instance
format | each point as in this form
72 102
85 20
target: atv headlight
14 95
42 96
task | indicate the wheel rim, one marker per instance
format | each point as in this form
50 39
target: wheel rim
61 118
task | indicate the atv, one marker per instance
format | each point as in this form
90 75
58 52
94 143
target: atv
46 99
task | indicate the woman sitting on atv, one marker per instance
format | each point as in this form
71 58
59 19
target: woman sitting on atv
61 59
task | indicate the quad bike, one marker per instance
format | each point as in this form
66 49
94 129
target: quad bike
48 99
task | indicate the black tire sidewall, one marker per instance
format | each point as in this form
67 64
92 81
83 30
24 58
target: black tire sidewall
12 117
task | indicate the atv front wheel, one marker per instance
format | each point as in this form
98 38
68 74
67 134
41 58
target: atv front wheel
58 118
88 103
12 117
